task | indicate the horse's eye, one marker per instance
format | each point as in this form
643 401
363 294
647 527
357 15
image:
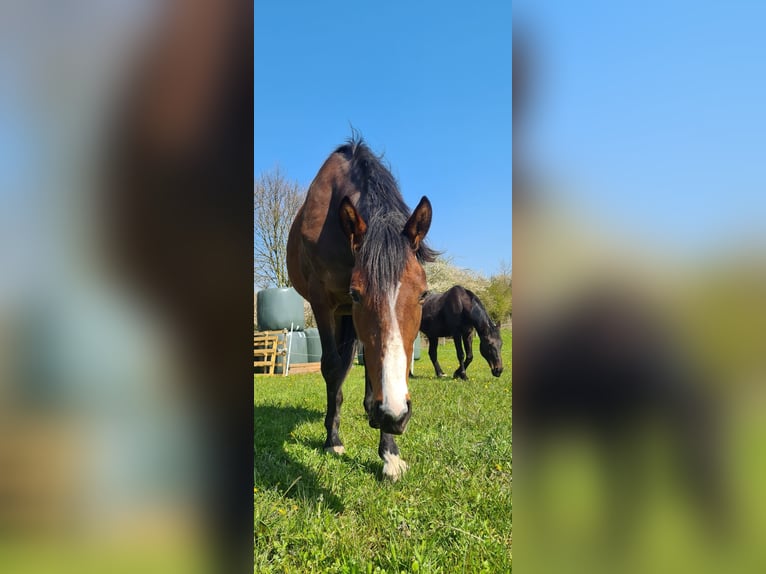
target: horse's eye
355 297
423 296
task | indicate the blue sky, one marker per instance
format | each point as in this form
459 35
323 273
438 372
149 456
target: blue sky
648 115
427 83
653 114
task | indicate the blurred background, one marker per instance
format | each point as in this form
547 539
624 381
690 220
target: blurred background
125 265
126 257
640 302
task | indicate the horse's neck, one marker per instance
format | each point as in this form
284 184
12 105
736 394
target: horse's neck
480 320
482 328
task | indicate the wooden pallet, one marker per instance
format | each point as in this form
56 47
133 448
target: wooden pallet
266 348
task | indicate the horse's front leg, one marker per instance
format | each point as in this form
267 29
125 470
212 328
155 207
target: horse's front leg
468 344
333 384
460 371
337 355
433 345
393 466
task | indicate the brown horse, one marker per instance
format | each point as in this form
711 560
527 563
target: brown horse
355 253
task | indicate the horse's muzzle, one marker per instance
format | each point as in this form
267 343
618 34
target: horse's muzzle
497 371
387 423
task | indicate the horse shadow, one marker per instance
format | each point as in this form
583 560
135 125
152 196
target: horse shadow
372 468
273 466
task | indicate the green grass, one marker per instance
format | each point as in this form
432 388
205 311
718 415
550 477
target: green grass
451 512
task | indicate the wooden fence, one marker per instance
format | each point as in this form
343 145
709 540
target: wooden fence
266 348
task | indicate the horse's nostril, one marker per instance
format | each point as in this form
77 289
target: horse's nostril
393 410
388 423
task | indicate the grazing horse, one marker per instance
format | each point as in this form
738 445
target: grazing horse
457 313
356 254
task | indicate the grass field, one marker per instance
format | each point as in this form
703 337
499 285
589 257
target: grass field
451 512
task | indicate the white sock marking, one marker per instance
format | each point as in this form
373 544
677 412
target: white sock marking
394 365
393 467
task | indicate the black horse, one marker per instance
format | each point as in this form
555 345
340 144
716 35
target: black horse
457 313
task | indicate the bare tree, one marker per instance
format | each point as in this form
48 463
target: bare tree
276 200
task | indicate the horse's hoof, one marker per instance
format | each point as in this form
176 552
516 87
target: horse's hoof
442 375
460 376
393 467
335 449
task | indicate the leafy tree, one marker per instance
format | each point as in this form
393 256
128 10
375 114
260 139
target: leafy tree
498 294
443 274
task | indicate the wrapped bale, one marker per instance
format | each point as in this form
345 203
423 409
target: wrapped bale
313 345
280 308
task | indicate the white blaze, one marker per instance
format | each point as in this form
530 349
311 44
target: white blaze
394 364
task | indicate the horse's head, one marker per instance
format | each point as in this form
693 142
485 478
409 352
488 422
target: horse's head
388 286
490 347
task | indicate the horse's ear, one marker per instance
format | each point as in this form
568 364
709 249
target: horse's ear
352 223
419 222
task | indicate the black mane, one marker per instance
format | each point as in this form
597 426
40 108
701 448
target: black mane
482 321
383 252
